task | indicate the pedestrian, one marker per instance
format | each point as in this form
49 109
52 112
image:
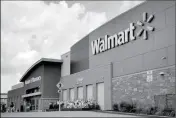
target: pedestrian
3 107
11 107
21 108
50 105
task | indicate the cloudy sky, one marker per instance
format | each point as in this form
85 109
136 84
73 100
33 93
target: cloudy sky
31 30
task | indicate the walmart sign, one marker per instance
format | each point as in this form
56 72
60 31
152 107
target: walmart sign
109 42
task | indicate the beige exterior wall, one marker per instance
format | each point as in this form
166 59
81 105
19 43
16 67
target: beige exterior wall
65 67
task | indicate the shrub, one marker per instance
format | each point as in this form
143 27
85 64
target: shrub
168 112
80 105
127 107
93 106
172 114
134 108
56 106
139 110
97 107
123 106
152 110
116 107
51 106
144 110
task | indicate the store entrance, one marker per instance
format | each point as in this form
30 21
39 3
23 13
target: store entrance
31 103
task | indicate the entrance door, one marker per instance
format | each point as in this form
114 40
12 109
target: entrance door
32 102
36 103
100 95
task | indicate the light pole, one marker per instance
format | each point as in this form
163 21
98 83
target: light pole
59 91
59 86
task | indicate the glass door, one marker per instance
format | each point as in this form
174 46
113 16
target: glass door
32 104
36 103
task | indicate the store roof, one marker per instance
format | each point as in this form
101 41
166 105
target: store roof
37 63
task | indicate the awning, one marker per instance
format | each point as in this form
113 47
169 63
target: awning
32 94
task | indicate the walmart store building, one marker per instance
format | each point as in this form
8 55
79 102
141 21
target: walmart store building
131 57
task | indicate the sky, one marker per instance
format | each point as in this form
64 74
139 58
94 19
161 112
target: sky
31 30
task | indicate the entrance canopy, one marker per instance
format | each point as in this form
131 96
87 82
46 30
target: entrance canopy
35 65
30 95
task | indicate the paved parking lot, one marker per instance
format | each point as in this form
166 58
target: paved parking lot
63 114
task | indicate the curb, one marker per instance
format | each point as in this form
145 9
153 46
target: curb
123 113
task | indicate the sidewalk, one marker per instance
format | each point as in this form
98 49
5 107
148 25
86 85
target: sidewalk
64 114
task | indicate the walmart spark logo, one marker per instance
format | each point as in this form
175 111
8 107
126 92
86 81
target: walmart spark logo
144 29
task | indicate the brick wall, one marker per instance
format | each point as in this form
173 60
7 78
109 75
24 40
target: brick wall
140 88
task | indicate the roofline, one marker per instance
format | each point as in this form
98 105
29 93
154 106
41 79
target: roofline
121 14
38 62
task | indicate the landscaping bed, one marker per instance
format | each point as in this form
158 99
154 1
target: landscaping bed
77 105
71 109
125 107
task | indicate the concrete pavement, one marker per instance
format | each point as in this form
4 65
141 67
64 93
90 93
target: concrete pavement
64 114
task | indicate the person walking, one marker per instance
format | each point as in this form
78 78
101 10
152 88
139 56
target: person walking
21 108
11 107
3 107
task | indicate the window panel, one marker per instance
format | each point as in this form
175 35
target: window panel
89 91
80 93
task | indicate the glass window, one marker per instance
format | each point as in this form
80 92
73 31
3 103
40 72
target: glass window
37 102
72 94
89 92
64 95
33 104
80 93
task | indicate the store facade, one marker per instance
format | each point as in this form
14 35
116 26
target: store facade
38 86
129 58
